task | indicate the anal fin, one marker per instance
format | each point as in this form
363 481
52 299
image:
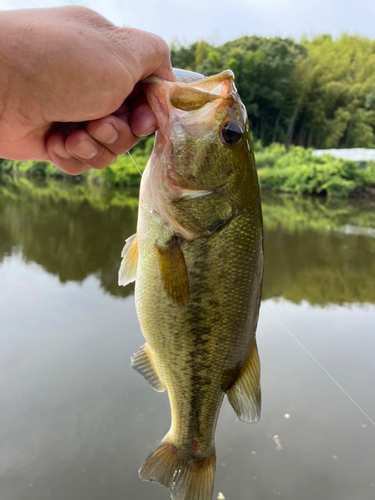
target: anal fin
245 394
142 363
128 269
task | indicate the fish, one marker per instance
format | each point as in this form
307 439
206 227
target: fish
197 262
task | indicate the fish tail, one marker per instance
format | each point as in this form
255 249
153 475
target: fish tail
187 478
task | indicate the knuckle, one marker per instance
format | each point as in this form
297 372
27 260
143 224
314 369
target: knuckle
102 161
79 12
84 14
161 45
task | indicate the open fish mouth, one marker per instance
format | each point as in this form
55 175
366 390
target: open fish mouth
173 101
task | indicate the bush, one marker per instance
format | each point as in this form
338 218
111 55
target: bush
267 157
297 171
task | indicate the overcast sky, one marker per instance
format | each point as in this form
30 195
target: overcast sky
221 20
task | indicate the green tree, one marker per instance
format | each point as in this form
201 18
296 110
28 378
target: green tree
318 92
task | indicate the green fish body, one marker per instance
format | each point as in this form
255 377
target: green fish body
197 259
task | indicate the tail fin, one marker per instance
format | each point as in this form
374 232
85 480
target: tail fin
187 479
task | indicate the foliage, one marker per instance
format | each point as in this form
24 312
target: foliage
123 172
316 93
292 170
6 166
297 171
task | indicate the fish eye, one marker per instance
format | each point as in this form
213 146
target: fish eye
231 133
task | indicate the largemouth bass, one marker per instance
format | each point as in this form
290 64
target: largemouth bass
197 259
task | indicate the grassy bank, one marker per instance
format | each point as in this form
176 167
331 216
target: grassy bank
296 170
293 170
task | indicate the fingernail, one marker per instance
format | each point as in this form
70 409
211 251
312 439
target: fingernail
60 151
86 150
106 133
148 131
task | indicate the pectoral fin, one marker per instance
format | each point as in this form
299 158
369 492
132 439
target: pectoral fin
128 269
142 363
245 394
173 271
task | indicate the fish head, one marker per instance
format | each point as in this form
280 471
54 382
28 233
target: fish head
203 141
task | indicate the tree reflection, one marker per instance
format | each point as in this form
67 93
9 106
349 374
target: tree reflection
310 257
71 231
74 231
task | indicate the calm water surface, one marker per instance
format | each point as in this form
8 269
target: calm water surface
76 421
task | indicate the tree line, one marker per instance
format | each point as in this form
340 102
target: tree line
313 93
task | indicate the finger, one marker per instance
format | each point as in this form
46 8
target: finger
122 110
158 63
114 133
137 90
60 157
143 121
133 101
85 149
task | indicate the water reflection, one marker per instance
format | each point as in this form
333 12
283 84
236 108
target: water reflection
74 231
77 421
310 256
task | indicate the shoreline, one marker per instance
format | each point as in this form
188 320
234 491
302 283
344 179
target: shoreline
281 170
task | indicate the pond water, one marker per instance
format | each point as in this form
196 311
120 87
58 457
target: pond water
76 421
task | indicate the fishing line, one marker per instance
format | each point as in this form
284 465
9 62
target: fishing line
322 367
136 166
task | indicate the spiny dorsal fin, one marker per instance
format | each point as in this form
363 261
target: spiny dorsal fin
245 395
142 363
173 271
128 269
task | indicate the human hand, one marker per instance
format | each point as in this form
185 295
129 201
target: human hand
72 92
